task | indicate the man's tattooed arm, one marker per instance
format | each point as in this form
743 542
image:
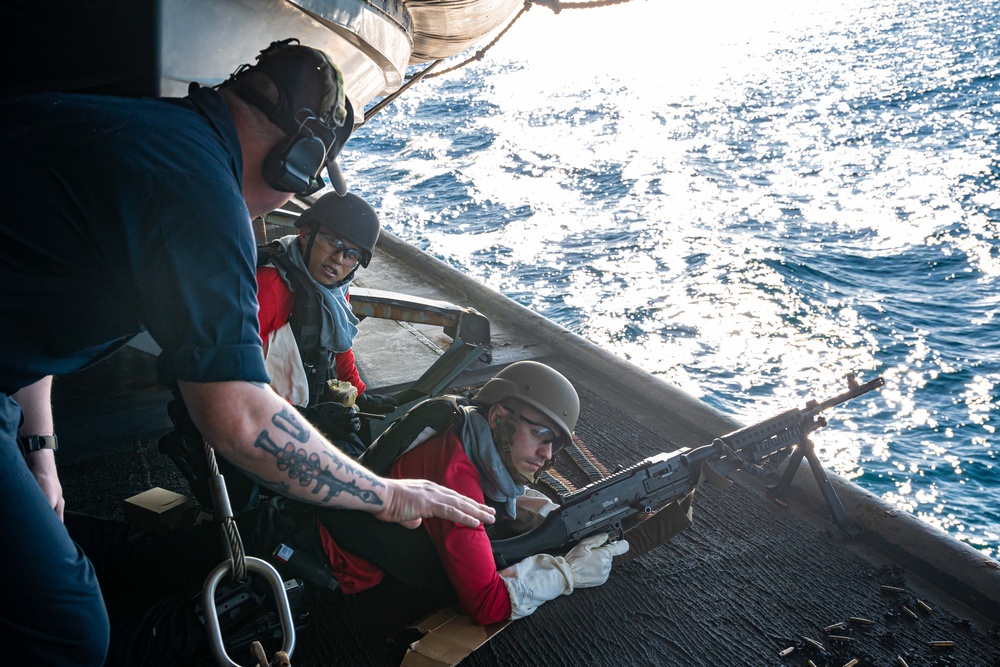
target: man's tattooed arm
306 469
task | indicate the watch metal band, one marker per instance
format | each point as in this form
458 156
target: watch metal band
35 443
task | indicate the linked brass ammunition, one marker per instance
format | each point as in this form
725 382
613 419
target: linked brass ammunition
787 652
940 644
860 621
891 589
909 612
815 644
835 626
926 607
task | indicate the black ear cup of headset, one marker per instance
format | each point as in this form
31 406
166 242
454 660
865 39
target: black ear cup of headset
294 164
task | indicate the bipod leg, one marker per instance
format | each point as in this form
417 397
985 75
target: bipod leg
839 514
849 528
794 461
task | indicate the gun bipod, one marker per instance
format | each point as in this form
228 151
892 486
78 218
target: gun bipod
806 449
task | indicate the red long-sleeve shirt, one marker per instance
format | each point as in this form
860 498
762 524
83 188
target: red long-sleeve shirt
465 552
275 301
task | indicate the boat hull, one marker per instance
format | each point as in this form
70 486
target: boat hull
157 48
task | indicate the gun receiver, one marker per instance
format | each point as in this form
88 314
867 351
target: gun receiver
760 448
602 506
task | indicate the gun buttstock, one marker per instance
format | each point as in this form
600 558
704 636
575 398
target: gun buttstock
549 535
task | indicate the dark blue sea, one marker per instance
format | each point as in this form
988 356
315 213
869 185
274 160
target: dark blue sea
749 200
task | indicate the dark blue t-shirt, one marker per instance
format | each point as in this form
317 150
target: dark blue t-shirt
121 215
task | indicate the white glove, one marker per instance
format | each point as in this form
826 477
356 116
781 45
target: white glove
538 579
590 562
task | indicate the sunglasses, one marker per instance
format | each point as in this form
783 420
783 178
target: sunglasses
351 257
542 433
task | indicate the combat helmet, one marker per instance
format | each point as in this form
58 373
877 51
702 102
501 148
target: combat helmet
349 216
538 385
541 387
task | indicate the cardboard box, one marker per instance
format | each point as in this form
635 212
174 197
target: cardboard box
449 637
158 509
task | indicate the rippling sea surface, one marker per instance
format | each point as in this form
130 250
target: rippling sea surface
749 200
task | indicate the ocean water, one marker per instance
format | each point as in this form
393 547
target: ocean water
750 200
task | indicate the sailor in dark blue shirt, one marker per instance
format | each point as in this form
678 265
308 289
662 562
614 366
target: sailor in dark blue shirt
123 215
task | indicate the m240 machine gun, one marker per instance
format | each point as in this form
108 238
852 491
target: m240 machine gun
659 480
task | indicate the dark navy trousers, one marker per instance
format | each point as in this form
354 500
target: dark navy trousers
51 609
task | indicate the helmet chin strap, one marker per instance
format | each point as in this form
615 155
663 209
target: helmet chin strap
309 244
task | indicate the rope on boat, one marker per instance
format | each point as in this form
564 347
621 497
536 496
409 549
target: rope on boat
557 6
482 52
388 99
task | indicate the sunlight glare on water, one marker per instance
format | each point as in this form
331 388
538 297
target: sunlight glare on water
749 200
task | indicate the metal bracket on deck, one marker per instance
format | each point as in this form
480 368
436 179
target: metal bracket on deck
469 329
458 322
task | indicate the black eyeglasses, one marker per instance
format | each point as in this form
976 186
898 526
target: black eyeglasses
351 257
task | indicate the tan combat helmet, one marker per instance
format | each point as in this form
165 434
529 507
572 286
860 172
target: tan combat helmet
540 386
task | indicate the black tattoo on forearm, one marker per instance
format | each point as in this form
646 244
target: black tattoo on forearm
307 470
360 471
288 422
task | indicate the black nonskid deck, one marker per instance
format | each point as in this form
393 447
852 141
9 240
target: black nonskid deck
746 582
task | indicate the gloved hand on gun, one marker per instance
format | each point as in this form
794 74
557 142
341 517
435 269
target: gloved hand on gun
540 578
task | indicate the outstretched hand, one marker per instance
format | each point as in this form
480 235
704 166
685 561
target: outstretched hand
411 500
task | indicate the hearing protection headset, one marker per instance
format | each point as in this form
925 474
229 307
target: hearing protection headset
306 79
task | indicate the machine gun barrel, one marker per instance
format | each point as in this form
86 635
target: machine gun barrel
854 390
778 434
